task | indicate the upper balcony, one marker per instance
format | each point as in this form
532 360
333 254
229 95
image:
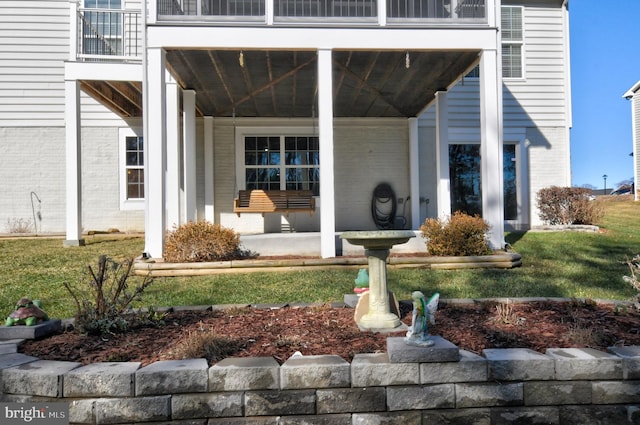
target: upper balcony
323 12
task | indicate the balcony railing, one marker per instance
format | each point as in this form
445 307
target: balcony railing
108 34
319 11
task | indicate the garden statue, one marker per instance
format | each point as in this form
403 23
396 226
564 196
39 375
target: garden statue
423 313
362 282
27 312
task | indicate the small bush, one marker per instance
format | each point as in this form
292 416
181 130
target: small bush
568 205
634 278
201 241
19 225
103 307
461 235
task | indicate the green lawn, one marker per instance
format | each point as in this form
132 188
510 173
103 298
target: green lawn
554 264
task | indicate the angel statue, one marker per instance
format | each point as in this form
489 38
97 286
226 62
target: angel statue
423 314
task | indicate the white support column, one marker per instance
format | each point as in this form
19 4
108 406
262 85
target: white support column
491 166
189 166
173 152
414 173
325 128
443 190
73 164
155 153
209 171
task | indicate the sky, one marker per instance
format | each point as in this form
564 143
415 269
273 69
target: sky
605 63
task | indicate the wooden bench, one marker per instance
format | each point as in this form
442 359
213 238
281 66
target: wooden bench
274 201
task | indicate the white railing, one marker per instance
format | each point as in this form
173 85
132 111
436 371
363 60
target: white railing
109 35
319 11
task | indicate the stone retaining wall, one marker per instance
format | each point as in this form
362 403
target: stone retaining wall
504 386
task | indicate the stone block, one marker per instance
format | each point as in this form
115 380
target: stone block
441 351
39 330
342 419
393 418
526 416
256 420
375 370
489 394
585 363
349 400
245 373
172 376
421 397
272 402
40 378
15 359
82 411
630 360
323 371
470 368
594 415
616 392
133 410
518 364
480 416
10 346
210 405
550 393
108 379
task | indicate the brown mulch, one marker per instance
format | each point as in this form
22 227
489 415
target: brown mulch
243 332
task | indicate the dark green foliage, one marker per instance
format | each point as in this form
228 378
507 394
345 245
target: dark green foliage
568 205
461 235
201 241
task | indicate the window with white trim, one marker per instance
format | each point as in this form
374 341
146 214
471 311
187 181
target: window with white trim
132 178
285 162
512 41
101 28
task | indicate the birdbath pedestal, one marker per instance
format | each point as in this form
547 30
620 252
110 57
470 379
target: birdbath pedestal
377 244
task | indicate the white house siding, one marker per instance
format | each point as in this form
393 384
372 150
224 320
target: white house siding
34 44
32 160
368 152
535 110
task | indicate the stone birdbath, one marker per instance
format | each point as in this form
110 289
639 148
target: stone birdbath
377 244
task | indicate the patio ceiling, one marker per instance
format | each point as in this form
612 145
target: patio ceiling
278 83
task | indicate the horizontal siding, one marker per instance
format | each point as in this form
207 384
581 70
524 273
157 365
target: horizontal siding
34 44
540 99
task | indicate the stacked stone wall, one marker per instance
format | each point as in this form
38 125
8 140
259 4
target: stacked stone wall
503 386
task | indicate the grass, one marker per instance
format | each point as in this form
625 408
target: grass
555 264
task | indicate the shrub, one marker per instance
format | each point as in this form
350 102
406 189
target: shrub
634 278
568 205
461 235
104 306
201 241
19 225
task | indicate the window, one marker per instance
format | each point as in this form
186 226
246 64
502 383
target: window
101 28
135 167
282 163
464 174
512 42
466 184
510 182
131 170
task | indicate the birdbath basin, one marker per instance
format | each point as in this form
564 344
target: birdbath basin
377 244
